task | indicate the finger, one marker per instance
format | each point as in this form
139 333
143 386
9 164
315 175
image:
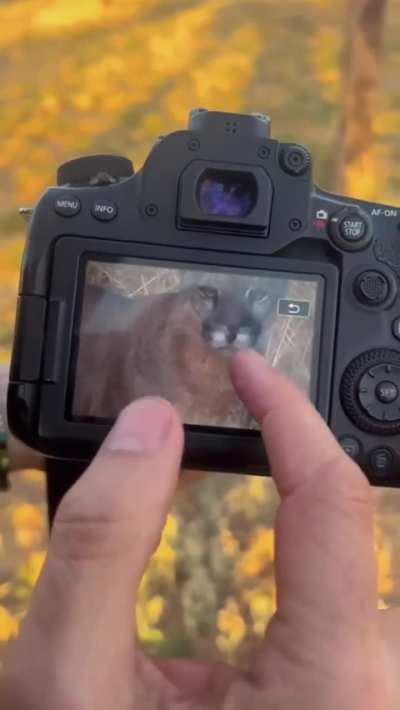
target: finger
325 566
389 622
106 528
296 438
197 678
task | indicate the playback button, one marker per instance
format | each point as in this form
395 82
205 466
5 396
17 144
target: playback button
351 446
104 210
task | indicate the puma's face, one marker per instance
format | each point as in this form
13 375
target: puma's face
236 323
204 300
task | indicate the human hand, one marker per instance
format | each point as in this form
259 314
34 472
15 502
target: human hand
327 648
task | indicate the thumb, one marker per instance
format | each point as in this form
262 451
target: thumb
105 530
114 515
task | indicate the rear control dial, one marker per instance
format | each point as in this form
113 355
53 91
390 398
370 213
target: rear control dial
351 229
370 392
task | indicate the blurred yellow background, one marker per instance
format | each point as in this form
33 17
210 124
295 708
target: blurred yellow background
109 76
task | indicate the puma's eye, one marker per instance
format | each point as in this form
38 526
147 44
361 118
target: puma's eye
209 295
257 296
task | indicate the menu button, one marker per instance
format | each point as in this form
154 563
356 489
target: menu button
67 206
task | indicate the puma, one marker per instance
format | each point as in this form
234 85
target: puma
174 345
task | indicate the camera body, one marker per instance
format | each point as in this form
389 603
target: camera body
147 283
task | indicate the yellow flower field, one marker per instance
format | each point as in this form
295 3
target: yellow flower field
109 76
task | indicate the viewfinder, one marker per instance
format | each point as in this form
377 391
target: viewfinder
227 193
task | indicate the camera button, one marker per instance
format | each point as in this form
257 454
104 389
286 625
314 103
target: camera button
67 205
396 328
351 229
104 210
387 392
375 391
372 288
351 446
381 461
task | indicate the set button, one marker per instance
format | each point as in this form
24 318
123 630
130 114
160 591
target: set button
378 392
387 392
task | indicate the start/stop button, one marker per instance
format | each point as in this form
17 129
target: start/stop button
351 229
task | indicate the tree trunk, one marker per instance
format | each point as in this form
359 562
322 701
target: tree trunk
358 165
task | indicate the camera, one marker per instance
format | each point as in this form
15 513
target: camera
145 284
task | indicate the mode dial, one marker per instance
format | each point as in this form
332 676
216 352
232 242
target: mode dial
94 170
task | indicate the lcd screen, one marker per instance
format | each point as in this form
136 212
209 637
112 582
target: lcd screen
154 330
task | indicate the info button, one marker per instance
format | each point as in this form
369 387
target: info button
104 210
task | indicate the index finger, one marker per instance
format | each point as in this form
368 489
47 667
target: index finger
298 442
325 565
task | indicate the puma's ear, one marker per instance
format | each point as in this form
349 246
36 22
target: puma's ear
257 296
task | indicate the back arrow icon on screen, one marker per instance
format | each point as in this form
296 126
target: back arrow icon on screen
294 309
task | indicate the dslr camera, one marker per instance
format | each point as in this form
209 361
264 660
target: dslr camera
140 284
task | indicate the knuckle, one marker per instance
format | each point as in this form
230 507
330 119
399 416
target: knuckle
341 484
84 531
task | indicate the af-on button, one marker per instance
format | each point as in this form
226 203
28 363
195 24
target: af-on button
67 205
104 210
372 288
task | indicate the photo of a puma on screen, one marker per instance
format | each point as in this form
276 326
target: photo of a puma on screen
172 336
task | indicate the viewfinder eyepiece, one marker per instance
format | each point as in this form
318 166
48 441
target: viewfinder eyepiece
227 193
